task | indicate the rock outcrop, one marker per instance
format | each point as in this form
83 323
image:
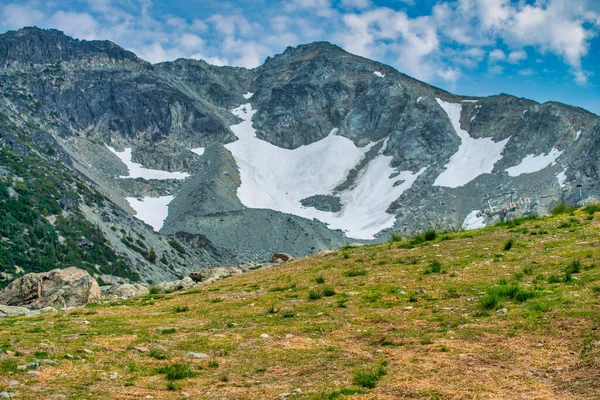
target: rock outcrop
124 291
70 287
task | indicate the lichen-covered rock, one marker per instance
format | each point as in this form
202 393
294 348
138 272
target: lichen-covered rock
69 287
124 291
174 286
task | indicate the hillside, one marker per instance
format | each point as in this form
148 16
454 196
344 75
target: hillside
506 312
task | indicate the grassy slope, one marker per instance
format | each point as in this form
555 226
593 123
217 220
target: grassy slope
428 332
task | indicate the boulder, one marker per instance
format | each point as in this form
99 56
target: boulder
14 311
197 276
124 291
69 287
174 286
281 257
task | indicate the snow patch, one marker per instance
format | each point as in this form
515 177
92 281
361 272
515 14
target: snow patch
477 108
419 99
276 178
151 210
248 95
198 150
136 170
577 134
469 101
475 220
474 156
561 177
379 74
532 163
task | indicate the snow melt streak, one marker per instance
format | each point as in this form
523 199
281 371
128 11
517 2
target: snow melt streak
532 163
277 178
474 156
152 211
137 171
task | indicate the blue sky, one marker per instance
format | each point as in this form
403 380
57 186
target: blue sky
539 49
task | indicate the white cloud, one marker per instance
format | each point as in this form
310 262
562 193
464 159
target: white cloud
356 4
497 55
517 56
191 42
15 16
79 25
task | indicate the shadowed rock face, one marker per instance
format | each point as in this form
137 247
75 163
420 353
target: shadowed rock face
70 287
82 95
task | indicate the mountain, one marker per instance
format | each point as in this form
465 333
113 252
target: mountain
314 149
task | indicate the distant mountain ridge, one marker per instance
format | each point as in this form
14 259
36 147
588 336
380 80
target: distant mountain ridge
313 149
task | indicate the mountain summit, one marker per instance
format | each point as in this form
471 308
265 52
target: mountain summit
314 149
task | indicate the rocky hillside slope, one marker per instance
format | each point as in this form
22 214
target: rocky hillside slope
314 149
507 312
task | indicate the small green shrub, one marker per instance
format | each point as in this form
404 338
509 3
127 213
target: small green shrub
373 296
574 267
171 386
320 280
509 244
395 237
553 279
272 309
315 294
434 268
489 301
213 363
153 290
355 272
158 354
426 340
562 208
430 235
180 309
176 371
592 208
368 378
328 292
168 331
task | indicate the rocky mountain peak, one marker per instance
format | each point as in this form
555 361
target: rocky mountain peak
32 48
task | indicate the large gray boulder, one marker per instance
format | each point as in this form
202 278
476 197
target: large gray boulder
70 287
175 286
124 291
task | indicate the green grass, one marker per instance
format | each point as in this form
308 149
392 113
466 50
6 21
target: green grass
355 272
368 378
509 244
562 208
158 354
434 268
315 294
182 308
176 371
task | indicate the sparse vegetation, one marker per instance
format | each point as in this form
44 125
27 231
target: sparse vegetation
176 371
368 378
508 311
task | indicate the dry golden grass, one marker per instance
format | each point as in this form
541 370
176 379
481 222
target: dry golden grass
444 345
